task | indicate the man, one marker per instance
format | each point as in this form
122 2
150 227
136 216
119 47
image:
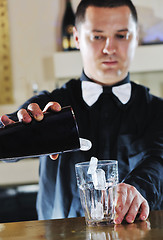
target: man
123 122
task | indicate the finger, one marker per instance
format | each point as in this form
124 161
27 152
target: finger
24 116
36 112
134 208
126 196
121 197
53 106
54 156
144 210
6 120
120 205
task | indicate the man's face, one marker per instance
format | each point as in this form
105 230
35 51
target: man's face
107 40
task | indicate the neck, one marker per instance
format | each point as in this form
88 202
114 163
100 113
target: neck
126 79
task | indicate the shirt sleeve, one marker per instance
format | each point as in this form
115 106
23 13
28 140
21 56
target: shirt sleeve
147 172
147 177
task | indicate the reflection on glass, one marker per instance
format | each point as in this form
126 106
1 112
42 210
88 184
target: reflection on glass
133 231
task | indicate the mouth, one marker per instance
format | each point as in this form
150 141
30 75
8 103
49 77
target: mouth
110 63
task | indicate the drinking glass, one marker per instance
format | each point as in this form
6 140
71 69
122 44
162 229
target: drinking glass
98 191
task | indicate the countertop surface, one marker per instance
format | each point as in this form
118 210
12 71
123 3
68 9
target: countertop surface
75 228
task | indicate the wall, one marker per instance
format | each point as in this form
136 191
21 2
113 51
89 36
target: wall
32 44
154 80
32 37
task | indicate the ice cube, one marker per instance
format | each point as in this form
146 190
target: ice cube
97 211
99 179
85 144
92 165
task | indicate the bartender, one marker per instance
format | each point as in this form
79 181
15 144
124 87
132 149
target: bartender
122 119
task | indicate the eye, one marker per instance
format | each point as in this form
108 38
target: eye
122 36
96 37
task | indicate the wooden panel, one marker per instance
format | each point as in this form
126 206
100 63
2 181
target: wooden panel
6 93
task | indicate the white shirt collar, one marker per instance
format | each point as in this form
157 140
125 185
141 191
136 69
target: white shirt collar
91 92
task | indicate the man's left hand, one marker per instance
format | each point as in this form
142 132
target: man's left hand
129 203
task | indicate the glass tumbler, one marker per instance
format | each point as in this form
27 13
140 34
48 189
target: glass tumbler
98 191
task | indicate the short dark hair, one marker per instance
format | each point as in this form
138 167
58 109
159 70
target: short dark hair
84 4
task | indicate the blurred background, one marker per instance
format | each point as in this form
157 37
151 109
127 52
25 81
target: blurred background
32 60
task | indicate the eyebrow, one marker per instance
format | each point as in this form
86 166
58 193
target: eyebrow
95 30
121 30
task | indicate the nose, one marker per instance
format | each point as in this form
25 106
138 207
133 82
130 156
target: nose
109 47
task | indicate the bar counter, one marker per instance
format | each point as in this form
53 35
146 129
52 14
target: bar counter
75 228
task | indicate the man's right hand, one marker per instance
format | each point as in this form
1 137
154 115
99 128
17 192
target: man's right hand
33 111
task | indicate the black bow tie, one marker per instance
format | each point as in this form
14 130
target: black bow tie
91 92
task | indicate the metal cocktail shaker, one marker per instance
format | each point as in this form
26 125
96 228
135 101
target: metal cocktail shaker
57 132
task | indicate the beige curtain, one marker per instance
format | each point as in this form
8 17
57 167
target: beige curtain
6 91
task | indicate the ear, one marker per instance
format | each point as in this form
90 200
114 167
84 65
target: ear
76 37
